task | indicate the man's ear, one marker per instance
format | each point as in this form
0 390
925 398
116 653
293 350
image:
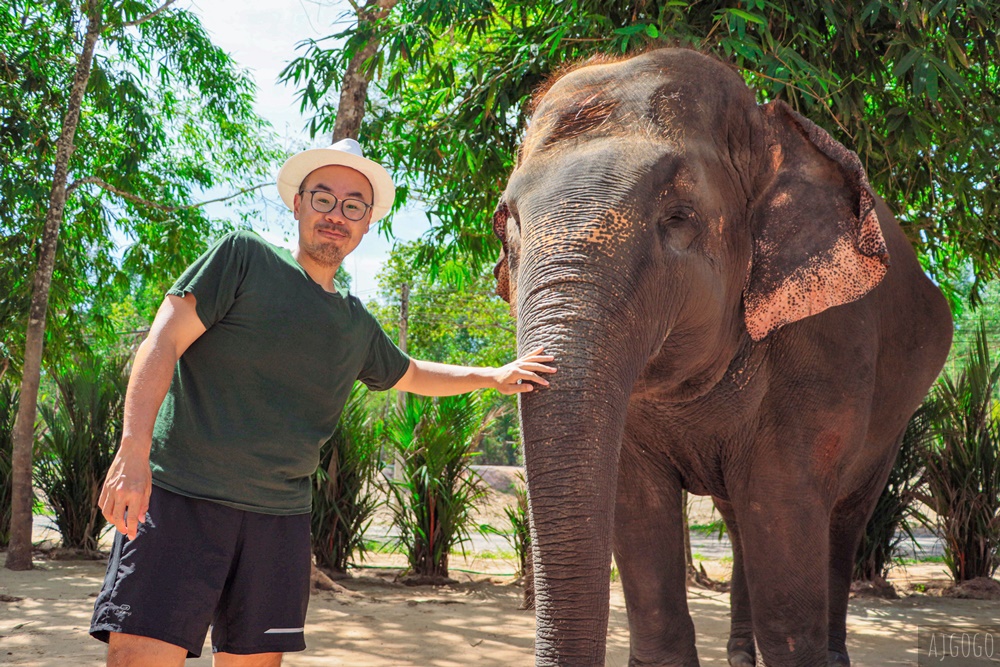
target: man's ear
296 202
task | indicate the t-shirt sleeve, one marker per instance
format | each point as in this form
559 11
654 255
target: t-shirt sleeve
214 279
385 363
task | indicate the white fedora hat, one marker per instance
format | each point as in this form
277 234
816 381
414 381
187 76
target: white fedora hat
346 152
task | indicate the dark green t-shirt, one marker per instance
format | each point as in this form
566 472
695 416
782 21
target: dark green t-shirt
256 395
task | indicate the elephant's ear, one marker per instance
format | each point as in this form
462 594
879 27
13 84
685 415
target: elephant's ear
501 271
816 238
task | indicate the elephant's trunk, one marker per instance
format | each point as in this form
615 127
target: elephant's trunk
572 434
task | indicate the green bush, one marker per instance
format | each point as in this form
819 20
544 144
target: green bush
520 527
963 465
8 413
436 492
77 446
888 525
344 495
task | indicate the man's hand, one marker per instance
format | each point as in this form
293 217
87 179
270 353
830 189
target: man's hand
522 375
125 497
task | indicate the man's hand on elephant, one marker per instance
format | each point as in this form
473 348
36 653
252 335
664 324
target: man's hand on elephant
522 375
124 499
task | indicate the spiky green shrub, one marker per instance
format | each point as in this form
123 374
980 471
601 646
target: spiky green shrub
344 493
963 465
889 523
81 433
8 412
436 493
518 532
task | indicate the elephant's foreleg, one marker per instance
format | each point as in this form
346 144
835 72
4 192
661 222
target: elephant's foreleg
740 648
784 531
649 551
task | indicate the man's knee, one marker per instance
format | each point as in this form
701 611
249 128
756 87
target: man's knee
255 660
135 651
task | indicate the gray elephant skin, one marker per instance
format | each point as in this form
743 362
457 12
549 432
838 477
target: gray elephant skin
733 312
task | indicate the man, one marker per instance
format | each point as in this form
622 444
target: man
246 368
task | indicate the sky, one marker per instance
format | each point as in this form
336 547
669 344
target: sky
261 36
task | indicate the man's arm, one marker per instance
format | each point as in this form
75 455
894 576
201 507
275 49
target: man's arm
429 378
129 482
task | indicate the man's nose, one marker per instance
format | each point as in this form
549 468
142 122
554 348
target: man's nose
336 215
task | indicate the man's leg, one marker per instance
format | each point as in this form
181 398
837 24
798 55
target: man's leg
263 609
165 585
132 651
255 660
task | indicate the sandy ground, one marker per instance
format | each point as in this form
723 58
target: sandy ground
44 615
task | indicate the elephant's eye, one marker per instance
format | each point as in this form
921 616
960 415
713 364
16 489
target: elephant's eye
678 228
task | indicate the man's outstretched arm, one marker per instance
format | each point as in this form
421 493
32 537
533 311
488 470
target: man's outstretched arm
429 378
129 482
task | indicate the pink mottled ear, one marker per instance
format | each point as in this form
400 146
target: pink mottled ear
501 271
817 242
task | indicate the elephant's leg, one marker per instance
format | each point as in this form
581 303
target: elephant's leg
845 534
847 525
784 532
740 649
649 550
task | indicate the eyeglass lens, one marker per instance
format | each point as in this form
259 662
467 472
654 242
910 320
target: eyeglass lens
324 202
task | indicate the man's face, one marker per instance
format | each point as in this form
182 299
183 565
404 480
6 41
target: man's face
330 237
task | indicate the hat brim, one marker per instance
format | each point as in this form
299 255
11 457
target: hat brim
300 165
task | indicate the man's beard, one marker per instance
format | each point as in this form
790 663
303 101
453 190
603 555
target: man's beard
326 254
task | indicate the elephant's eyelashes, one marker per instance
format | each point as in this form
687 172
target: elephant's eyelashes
678 229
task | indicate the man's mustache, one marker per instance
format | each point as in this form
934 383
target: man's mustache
341 229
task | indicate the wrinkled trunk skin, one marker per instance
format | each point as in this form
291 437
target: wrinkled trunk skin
572 435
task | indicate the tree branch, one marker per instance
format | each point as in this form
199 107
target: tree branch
152 204
148 16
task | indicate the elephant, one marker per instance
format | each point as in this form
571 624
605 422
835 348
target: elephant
713 278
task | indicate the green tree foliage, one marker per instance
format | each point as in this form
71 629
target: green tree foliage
968 322
166 116
345 497
963 466
120 126
912 87
454 318
437 492
83 426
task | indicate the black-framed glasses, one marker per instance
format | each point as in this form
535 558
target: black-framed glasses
324 202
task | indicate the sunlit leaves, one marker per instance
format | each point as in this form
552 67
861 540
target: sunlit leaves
166 115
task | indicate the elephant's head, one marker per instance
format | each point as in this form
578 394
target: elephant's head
658 220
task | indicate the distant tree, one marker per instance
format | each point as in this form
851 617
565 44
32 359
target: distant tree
454 318
115 115
457 319
912 87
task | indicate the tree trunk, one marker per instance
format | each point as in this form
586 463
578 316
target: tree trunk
354 85
351 109
19 553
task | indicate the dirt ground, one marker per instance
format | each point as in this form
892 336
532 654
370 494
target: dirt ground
44 615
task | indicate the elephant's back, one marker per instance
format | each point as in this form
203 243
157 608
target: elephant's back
915 320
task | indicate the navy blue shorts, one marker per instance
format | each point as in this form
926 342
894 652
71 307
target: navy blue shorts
195 564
